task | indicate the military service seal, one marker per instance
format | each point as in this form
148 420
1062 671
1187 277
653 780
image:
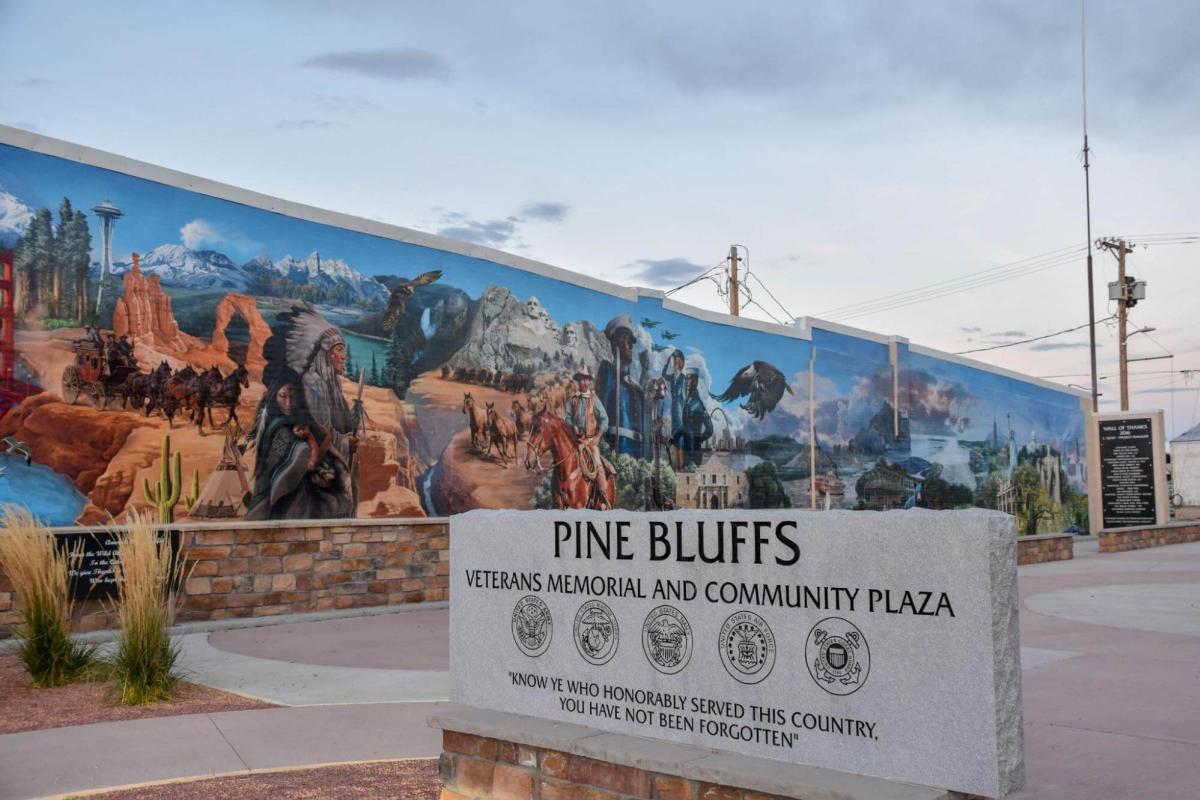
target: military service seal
667 639
532 626
747 647
838 657
596 632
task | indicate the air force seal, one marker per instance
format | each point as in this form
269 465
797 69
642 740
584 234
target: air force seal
667 639
837 655
596 632
747 647
532 626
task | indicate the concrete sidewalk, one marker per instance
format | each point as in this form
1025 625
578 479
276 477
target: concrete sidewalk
1110 650
61 760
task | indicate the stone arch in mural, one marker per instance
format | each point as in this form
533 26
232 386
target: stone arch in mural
245 307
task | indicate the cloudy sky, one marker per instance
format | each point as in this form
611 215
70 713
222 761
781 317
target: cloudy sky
858 150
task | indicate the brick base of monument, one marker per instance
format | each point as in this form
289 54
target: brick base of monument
492 755
475 768
1121 539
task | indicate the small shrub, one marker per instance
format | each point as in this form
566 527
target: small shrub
144 662
38 569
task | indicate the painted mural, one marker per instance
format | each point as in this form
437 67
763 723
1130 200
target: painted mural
164 349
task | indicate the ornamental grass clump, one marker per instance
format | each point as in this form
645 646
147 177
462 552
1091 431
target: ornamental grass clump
39 570
145 661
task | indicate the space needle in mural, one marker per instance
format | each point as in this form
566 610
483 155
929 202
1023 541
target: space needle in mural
108 213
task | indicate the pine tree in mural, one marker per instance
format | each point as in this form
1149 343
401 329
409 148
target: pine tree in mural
77 241
33 260
398 362
373 375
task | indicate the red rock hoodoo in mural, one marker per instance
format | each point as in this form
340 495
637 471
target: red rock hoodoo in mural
144 313
245 307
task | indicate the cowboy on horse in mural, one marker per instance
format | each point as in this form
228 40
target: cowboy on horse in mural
581 477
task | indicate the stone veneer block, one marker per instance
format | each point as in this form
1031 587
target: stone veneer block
937 701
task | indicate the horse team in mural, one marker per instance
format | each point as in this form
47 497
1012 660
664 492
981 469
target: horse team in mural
344 391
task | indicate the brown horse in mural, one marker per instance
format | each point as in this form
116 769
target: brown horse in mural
501 431
479 422
569 486
522 417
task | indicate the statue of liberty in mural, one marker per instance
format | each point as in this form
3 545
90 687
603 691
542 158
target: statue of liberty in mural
305 430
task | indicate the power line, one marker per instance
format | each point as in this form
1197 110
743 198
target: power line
1025 341
702 276
963 283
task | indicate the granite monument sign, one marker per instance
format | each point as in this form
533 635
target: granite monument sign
884 644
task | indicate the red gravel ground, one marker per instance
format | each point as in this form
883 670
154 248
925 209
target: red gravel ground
26 709
404 780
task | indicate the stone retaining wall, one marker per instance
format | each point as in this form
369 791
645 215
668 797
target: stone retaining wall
263 569
1046 547
478 768
1121 539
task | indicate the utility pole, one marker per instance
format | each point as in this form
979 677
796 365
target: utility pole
734 305
1126 291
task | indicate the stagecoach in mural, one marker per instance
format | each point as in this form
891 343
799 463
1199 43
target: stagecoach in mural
93 374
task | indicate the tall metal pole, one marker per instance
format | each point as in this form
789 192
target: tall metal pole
1122 323
734 306
1087 193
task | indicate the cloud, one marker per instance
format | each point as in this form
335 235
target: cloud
859 57
37 83
301 124
666 272
971 329
492 232
544 211
1062 345
500 231
937 406
385 63
198 232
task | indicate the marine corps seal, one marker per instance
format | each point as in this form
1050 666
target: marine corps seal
837 655
747 647
596 632
532 626
667 639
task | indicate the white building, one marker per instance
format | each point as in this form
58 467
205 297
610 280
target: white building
1185 467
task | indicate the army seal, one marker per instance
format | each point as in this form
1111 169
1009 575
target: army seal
667 639
596 632
838 657
747 647
532 626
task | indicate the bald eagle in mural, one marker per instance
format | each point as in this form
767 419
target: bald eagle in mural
763 383
400 294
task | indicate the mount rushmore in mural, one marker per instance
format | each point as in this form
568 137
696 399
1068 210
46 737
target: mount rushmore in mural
372 377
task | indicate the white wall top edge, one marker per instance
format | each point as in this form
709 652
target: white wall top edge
808 323
1007 373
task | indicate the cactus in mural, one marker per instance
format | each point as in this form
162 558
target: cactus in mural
166 492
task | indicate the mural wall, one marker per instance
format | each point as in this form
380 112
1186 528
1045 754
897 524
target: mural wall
209 359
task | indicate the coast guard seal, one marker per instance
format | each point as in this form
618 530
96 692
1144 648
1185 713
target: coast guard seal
596 632
837 655
667 639
747 647
532 626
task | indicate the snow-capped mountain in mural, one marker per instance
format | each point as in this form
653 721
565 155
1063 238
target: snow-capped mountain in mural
14 218
181 267
176 265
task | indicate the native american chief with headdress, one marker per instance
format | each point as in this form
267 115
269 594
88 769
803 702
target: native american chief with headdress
305 430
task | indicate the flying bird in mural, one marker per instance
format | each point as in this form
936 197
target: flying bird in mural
403 291
669 335
763 383
650 323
